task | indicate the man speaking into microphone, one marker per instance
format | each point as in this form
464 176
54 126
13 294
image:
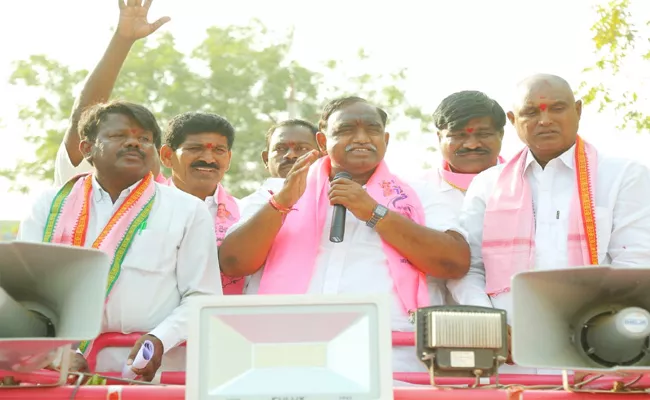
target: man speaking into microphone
395 232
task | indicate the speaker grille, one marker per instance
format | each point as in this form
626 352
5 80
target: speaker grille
475 330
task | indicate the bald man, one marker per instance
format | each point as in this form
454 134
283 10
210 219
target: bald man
530 213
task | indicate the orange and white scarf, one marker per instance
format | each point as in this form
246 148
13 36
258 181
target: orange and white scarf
69 216
509 224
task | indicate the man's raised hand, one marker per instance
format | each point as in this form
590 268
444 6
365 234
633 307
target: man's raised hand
296 180
133 24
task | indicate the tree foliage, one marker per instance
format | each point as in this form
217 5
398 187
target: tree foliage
622 43
235 72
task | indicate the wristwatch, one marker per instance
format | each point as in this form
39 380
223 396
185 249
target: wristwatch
377 214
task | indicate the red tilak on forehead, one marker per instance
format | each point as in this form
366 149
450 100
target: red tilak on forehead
469 130
210 146
543 107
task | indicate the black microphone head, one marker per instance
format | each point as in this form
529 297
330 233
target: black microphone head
343 174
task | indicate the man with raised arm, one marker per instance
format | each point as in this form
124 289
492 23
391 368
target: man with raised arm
131 27
161 241
395 232
198 145
558 203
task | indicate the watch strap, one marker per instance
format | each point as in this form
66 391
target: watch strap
377 214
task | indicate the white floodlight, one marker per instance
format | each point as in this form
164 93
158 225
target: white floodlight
290 347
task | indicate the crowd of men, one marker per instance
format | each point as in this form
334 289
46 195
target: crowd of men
456 234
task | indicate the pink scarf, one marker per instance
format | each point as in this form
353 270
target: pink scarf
227 214
290 264
509 224
161 179
458 180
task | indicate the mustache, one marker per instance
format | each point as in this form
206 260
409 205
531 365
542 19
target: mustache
288 162
203 164
131 150
369 146
476 151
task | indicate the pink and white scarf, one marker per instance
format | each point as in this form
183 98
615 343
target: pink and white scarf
290 264
509 224
161 179
458 180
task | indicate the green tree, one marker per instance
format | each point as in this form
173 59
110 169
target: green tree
47 116
233 72
620 42
384 89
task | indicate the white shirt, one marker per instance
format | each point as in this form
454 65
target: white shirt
455 198
622 219
353 266
453 195
174 258
212 203
63 168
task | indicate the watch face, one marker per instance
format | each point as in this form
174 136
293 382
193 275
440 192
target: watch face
381 211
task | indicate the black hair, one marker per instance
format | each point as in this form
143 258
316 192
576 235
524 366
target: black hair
341 102
191 123
294 122
93 116
456 110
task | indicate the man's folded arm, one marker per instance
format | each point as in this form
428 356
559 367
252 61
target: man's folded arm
439 248
470 289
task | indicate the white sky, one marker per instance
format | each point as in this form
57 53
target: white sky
446 45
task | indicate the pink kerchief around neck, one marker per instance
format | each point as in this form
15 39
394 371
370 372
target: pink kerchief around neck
291 262
509 224
227 215
458 180
161 179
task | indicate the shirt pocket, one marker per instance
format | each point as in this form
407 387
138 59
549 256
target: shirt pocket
604 218
151 253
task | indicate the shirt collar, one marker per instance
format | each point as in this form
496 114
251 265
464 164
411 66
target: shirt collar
99 192
566 158
442 183
214 198
208 199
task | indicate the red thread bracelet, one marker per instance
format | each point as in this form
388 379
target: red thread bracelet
278 207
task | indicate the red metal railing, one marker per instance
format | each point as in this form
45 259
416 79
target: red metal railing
109 340
178 393
112 340
117 340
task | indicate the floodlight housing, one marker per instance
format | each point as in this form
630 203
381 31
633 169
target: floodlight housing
290 347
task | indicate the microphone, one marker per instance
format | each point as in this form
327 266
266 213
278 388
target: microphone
337 230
